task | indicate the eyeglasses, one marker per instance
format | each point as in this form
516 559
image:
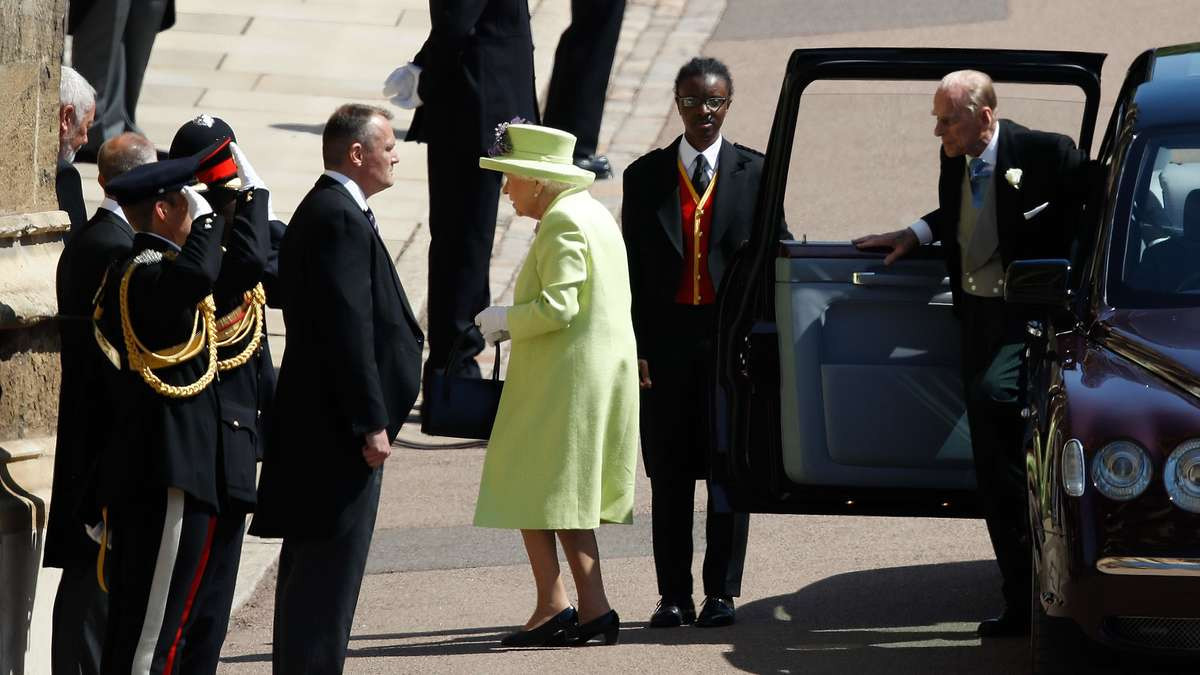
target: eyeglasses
713 103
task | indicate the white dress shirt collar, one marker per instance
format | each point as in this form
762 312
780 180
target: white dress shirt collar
687 154
989 153
111 204
351 187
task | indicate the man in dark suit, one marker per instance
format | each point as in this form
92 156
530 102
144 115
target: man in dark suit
76 111
349 377
687 207
85 416
476 71
111 48
579 81
1004 193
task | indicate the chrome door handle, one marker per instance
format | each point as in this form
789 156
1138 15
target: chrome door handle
894 280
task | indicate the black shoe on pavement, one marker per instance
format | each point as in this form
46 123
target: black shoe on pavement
597 164
552 633
672 613
717 611
607 625
1012 622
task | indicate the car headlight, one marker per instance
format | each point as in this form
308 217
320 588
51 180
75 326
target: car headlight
1073 467
1182 476
1121 470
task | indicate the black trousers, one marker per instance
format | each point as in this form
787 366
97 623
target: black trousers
582 65
317 591
111 49
993 365
462 226
79 621
159 587
725 551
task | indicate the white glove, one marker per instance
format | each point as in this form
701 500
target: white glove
250 177
197 204
493 324
401 86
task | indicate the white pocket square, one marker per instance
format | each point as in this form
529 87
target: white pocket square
1036 210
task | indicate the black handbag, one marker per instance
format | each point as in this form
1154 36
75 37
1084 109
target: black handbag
460 407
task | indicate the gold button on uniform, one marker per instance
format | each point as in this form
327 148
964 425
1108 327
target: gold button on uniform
236 424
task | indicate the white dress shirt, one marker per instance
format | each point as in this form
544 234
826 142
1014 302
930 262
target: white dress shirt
111 204
921 228
687 156
351 187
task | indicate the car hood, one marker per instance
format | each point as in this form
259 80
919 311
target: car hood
1164 341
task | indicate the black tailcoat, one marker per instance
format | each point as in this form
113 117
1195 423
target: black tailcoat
1052 171
69 190
85 408
158 441
651 223
352 365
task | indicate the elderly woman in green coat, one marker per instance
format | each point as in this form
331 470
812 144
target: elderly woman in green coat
562 454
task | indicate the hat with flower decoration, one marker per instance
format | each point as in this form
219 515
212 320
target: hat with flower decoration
535 151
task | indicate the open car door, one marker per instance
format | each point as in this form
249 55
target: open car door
837 381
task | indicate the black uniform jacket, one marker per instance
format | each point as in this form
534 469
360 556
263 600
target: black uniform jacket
651 224
477 71
244 391
69 190
1053 172
85 409
352 365
157 441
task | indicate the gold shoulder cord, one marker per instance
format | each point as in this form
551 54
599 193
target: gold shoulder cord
251 319
143 360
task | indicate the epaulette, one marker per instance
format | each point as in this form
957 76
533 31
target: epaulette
148 257
752 151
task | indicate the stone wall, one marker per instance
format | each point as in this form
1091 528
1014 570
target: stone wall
31 226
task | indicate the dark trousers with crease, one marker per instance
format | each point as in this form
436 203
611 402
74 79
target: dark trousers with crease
993 373
582 64
463 199
725 533
317 590
79 620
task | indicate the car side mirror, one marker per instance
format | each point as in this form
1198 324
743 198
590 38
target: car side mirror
1044 282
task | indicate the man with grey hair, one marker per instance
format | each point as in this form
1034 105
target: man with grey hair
85 416
1005 193
76 110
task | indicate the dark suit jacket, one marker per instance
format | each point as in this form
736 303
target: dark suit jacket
651 224
159 441
85 408
477 71
79 9
352 365
69 188
1053 171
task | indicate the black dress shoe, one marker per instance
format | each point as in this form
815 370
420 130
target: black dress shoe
607 625
552 633
597 164
1012 622
717 611
672 613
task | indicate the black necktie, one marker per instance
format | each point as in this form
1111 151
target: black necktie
371 217
700 175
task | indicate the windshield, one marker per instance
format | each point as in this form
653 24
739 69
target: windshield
1156 258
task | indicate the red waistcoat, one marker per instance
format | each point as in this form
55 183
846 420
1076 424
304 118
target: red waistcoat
695 283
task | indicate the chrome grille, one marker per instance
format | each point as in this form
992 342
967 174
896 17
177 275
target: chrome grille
1154 632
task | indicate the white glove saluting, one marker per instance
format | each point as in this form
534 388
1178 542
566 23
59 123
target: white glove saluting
250 177
493 324
196 203
401 86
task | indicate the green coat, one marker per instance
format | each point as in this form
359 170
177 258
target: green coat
563 450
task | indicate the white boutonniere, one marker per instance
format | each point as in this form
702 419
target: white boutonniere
1013 176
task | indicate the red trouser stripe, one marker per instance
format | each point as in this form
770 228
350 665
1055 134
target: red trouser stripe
191 596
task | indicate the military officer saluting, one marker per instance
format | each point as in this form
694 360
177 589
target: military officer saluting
158 480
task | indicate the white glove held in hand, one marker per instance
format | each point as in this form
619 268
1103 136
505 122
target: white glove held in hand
493 324
250 177
401 86
197 204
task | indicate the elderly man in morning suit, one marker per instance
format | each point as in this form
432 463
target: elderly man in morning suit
76 112
350 372
1005 193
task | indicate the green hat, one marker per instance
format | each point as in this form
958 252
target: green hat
536 152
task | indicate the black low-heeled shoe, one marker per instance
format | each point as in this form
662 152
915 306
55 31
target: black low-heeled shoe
552 633
608 625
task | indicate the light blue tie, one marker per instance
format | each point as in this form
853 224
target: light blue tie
980 171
